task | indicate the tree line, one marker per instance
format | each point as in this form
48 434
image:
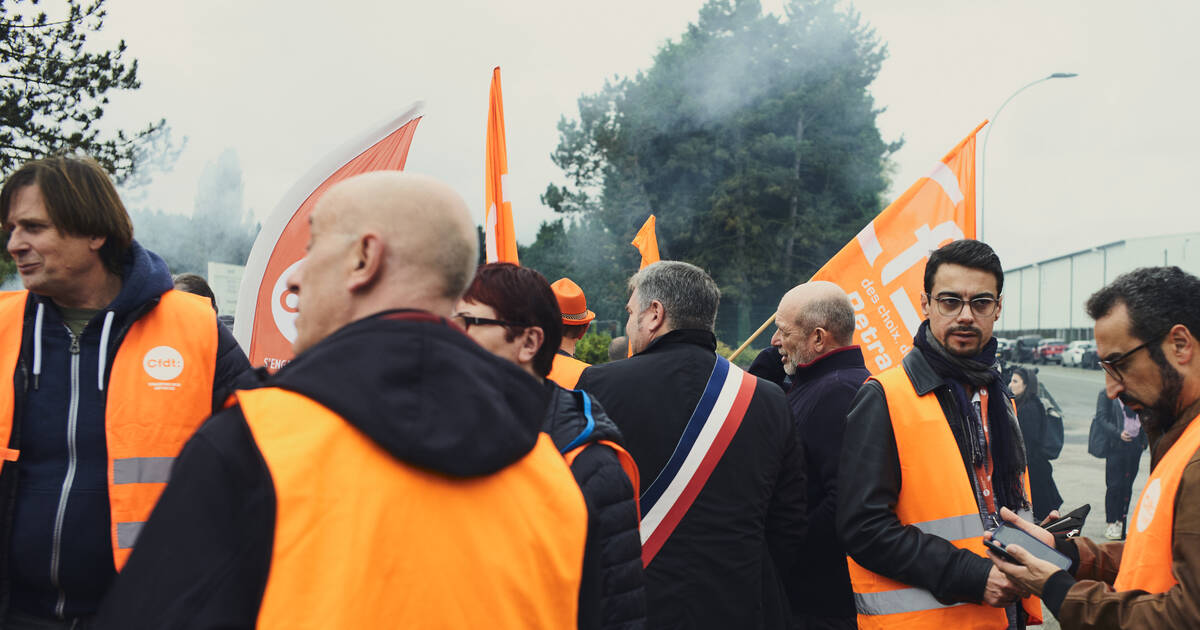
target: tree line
752 138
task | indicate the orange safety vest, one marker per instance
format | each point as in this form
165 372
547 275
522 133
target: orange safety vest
1146 558
159 391
936 497
566 371
363 540
627 464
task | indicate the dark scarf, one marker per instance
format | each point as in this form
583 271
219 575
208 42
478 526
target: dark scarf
1008 457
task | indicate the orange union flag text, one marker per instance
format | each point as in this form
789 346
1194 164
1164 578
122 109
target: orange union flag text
883 268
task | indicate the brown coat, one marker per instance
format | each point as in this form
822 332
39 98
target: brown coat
1092 602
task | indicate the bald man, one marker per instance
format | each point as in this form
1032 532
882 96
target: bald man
815 323
391 475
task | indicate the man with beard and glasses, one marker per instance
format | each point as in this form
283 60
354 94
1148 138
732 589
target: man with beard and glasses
814 344
1145 323
931 454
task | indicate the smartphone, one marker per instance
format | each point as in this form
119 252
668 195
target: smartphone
1006 535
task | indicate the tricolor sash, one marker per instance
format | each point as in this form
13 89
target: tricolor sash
708 433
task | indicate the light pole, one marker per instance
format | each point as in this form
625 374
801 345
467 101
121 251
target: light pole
988 134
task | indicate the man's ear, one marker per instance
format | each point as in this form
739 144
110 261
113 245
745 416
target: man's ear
96 242
925 305
1181 344
366 261
531 342
820 337
657 316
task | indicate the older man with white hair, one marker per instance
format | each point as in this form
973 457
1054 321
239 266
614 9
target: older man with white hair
392 475
814 337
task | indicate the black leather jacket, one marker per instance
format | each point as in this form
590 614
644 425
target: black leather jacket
869 488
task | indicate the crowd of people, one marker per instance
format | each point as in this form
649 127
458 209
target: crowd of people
436 457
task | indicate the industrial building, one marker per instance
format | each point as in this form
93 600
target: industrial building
1047 298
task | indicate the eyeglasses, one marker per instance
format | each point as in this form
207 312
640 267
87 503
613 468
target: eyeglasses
467 321
951 305
1110 365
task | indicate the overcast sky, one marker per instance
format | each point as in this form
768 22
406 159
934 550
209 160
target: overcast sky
1071 163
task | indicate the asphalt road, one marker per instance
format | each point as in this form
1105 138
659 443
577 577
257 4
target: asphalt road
1079 476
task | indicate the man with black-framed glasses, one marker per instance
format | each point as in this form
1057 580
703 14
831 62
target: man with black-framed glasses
932 452
1146 326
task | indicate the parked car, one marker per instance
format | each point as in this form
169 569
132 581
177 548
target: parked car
1025 348
1073 355
1004 348
1090 360
1050 351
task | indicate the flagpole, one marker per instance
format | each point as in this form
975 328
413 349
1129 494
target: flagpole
735 353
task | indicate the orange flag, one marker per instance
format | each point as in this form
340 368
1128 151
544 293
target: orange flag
499 238
883 268
647 243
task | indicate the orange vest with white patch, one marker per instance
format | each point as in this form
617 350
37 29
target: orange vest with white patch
363 540
1146 558
937 498
159 391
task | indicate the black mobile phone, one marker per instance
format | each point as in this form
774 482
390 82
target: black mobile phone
1072 520
1006 535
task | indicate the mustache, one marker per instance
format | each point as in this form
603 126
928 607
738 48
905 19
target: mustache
1131 400
965 329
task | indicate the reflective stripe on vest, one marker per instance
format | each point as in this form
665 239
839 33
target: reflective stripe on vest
627 464
1147 557
363 540
937 498
159 391
566 371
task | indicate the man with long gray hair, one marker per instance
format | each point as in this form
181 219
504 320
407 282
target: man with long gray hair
722 470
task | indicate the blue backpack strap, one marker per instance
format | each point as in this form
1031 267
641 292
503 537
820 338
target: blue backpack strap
591 422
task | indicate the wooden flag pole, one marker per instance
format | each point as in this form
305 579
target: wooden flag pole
770 320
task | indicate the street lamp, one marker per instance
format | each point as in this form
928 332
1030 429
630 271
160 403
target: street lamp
988 134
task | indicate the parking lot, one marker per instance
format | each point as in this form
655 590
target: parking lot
1080 477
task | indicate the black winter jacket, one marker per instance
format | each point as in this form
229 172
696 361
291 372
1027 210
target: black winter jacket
613 593
203 559
869 487
819 398
720 568
51 452
1111 419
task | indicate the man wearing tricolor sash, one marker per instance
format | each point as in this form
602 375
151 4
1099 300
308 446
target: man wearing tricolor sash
722 472
1146 325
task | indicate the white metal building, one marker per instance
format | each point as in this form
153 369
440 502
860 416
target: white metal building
1047 298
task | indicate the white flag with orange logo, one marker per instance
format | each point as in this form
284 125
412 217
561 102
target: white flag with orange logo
883 268
499 239
266 315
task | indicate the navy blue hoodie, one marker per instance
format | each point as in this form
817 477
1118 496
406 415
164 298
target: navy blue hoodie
59 552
